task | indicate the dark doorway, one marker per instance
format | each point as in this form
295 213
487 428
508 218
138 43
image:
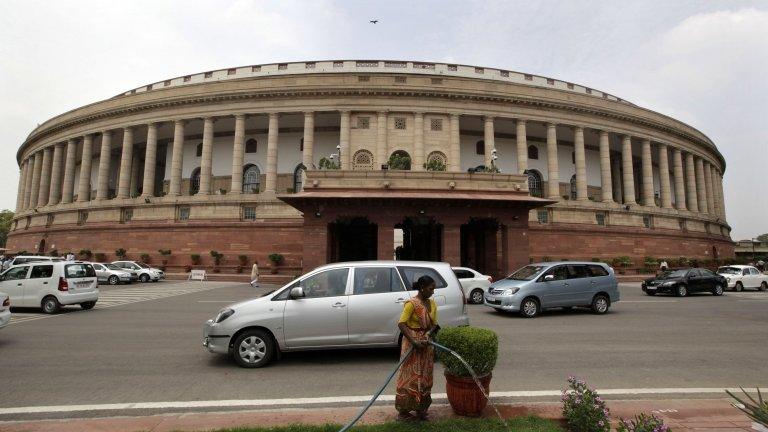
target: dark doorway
41 247
352 239
480 246
422 239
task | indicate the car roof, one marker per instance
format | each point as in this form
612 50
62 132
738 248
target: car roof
736 266
384 263
569 262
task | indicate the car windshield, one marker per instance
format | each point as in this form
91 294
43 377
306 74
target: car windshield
144 266
112 267
526 273
729 270
674 274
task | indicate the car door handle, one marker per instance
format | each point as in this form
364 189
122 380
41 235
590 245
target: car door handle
45 283
338 305
400 300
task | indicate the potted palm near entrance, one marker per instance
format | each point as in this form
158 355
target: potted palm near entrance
479 347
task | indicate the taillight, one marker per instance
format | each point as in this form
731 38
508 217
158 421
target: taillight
7 302
63 285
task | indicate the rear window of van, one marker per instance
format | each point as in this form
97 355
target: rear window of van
412 274
78 271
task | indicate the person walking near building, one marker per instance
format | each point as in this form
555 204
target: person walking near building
255 275
417 322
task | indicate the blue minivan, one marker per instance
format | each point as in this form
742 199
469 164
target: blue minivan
565 284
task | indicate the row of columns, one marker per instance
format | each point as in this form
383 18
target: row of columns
40 181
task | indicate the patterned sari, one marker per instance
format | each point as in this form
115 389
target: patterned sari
414 384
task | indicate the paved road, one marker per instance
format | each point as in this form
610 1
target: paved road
146 347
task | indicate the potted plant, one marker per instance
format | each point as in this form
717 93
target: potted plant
479 347
275 259
434 165
217 257
121 253
145 258
85 253
243 261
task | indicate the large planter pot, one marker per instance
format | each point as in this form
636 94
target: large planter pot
465 397
273 268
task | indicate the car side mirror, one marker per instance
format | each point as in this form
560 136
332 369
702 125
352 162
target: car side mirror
548 278
296 293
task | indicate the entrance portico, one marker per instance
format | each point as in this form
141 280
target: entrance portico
479 220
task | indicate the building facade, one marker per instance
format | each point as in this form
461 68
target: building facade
228 160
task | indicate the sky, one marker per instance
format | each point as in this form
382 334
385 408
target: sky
702 62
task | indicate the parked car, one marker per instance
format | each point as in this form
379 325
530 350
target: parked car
51 285
540 286
145 272
685 281
473 283
739 277
343 305
112 274
5 309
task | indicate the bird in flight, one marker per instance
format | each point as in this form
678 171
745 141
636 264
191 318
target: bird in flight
374 21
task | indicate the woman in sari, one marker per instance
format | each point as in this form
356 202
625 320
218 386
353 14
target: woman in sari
418 321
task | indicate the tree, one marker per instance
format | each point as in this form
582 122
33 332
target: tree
5 225
763 237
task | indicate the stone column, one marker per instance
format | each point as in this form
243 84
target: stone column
271 185
238 155
581 164
36 174
28 182
677 161
45 177
665 189
647 167
721 195
102 184
126 159
308 157
418 142
150 162
690 174
708 187
489 138
455 144
605 168
701 190
618 194
381 139
344 153
69 172
135 170
628 175
206 162
522 147
553 166
177 158
84 183
20 187
54 193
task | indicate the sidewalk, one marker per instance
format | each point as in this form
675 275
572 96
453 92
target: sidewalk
708 415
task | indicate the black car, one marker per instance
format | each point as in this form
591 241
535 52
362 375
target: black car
686 281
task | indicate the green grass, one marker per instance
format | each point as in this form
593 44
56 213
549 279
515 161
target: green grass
519 424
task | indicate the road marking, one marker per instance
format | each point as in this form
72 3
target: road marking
217 301
648 301
120 297
326 400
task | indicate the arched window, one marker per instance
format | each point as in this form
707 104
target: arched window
436 161
298 178
194 181
362 160
251 146
480 147
533 152
199 150
251 179
573 187
534 183
400 160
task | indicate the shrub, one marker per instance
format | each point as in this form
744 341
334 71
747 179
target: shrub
434 165
85 253
478 346
546 259
595 259
682 262
145 258
650 261
120 253
399 162
195 259
276 258
243 259
642 423
329 164
583 408
757 410
164 252
217 257
100 257
623 261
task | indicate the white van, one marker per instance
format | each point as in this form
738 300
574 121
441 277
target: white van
50 285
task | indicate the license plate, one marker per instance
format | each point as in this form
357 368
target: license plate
84 284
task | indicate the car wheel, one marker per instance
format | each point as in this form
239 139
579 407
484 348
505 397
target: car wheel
50 305
529 307
88 305
476 296
253 349
113 280
681 291
718 290
763 286
739 287
144 278
600 304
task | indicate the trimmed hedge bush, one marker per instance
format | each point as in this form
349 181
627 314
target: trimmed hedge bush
478 346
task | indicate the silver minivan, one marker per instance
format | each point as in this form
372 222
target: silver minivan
342 305
567 284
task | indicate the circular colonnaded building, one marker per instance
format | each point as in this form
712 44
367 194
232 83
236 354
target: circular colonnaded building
229 160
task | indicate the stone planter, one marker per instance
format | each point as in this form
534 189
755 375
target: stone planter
465 397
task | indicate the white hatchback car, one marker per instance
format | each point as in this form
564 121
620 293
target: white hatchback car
5 309
51 285
473 283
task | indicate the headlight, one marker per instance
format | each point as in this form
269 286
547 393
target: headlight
223 314
670 283
727 279
510 291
